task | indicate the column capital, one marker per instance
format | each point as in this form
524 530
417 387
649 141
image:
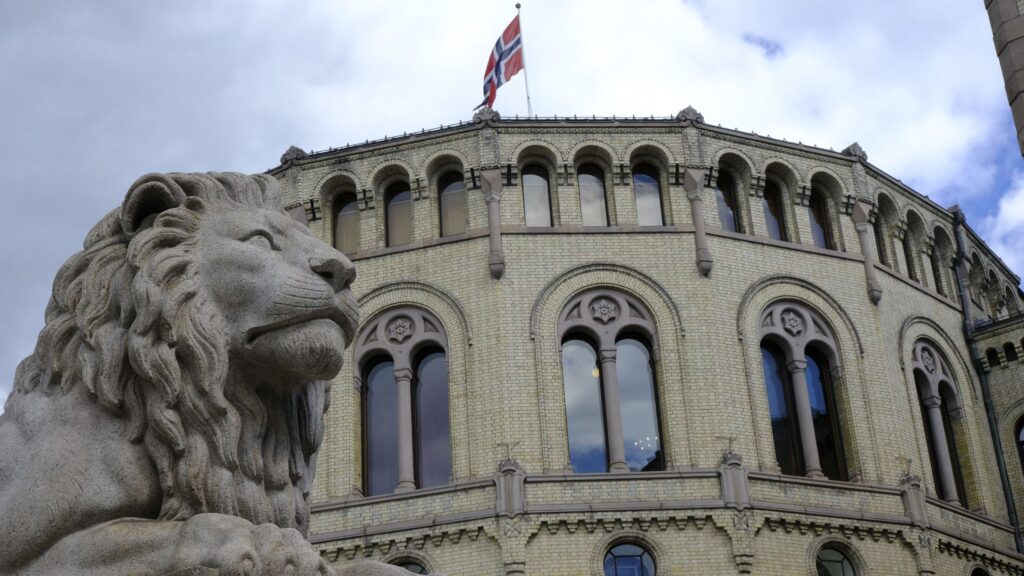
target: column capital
797 365
403 374
932 401
607 355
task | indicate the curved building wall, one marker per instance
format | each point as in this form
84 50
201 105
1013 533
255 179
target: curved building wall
719 503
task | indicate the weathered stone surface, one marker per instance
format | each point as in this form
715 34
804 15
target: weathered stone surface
169 418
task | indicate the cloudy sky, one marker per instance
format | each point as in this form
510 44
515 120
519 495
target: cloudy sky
92 95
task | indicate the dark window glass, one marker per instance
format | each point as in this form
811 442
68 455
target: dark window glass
951 439
536 196
728 211
398 219
826 417
832 562
908 255
937 274
1020 443
638 402
978 572
432 440
647 190
381 423
817 210
1010 352
628 560
782 409
880 243
453 203
773 215
584 408
993 357
346 224
593 204
414 567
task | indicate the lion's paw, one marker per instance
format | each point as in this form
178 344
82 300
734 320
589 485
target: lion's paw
236 547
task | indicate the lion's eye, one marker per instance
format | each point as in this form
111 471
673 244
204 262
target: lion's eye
261 239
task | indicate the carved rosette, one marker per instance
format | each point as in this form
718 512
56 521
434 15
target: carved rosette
604 310
400 329
792 323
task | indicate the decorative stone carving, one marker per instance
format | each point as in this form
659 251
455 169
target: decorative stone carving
486 114
293 153
400 329
792 323
604 310
690 115
185 313
856 151
928 360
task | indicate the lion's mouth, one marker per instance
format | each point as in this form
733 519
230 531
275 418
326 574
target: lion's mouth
336 315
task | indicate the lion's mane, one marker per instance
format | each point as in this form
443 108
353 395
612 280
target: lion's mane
130 320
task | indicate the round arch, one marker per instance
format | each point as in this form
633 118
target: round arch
629 536
841 544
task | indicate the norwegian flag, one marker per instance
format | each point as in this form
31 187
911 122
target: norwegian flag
506 61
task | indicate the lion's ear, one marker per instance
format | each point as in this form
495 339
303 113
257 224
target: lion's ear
146 199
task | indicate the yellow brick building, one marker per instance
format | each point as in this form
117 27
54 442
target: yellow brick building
666 347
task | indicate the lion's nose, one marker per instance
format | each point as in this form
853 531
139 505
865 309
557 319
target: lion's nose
338 272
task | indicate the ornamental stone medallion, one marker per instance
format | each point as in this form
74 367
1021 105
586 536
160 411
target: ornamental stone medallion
604 310
400 329
928 360
792 323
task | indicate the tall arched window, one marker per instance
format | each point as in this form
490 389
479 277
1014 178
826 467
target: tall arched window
831 561
879 229
1010 352
647 191
584 407
940 411
398 216
817 212
1020 443
728 208
908 255
610 387
406 433
593 203
452 192
629 560
536 196
781 409
774 218
993 357
346 223
798 353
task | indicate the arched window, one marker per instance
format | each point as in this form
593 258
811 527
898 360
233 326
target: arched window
629 560
411 566
593 204
1010 352
781 409
1020 443
908 255
728 208
398 216
452 192
880 244
940 411
609 382
979 572
584 407
380 400
817 211
798 353
647 191
831 561
346 224
993 357
406 436
774 218
937 274
536 196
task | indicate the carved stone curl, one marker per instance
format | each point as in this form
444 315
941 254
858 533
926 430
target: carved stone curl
198 322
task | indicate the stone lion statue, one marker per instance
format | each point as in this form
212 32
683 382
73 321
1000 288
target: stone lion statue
170 415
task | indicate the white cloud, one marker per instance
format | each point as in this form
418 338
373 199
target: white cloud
1004 230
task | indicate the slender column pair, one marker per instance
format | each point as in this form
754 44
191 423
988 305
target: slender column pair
406 465
863 217
612 412
805 418
945 465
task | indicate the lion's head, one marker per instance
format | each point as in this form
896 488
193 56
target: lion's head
210 321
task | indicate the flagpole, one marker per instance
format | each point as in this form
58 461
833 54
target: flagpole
526 75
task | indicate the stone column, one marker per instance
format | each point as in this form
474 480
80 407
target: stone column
490 182
805 420
612 412
406 465
948 483
862 219
692 183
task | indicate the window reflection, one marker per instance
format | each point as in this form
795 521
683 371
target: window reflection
593 204
832 562
346 224
584 408
817 211
728 213
647 191
398 219
782 409
771 202
536 196
638 403
825 416
628 560
453 203
381 438
430 413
